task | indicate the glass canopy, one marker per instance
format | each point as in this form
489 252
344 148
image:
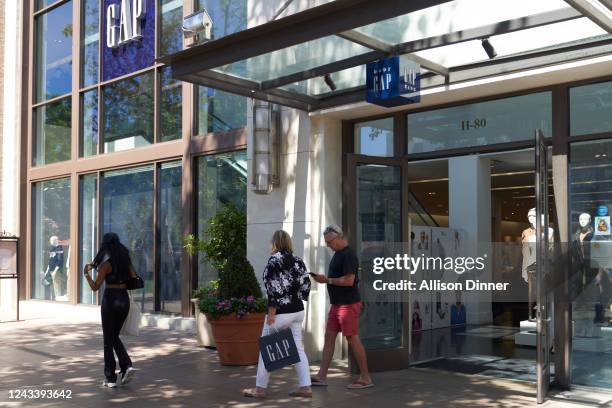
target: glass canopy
316 58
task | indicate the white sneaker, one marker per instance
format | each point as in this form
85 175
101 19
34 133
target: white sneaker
127 376
109 384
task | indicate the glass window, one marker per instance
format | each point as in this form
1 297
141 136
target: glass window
379 226
51 239
53 45
220 111
171 236
41 4
127 209
482 123
128 113
171 107
88 232
590 279
591 109
229 16
52 132
90 41
89 127
374 138
221 179
172 23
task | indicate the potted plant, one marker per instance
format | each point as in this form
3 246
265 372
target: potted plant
204 329
234 305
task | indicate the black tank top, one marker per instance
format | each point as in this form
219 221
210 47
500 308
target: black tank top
118 274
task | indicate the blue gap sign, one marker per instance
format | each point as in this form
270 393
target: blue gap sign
393 81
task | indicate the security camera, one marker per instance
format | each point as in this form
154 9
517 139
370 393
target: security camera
198 26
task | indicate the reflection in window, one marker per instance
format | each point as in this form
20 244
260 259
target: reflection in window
171 22
482 123
374 138
230 16
127 209
89 41
590 278
379 208
171 107
591 109
51 239
170 229
88 231
128 113
53 48
222 179
219 111
52 133
89 127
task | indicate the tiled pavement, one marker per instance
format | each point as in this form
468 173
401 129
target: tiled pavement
65 352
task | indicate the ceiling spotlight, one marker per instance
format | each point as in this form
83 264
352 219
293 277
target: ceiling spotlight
330 82
488 48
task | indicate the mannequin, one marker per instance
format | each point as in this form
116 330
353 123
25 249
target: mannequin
56 265
528 239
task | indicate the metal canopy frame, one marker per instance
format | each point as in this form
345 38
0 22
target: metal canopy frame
341 18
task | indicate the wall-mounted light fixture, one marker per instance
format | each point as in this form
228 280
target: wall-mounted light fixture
266 147
488 48
197 28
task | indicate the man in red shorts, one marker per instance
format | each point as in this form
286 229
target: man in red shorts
342 286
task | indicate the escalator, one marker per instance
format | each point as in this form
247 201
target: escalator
418 214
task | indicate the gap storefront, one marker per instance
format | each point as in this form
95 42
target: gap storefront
114 143
453 174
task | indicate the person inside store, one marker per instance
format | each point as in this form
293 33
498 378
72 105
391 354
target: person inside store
287 286
343 289
51 277
114 268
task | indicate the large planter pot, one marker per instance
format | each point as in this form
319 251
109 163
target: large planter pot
204 329
236 339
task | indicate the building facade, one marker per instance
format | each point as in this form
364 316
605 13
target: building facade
107 139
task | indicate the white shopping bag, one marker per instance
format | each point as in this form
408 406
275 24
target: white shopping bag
131 326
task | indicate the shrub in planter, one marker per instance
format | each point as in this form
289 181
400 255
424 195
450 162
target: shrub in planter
235 308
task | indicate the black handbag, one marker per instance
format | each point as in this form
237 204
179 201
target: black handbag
278 350
135 283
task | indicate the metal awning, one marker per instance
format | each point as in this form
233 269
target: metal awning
285 61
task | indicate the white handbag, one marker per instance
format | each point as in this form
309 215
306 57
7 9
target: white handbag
131 326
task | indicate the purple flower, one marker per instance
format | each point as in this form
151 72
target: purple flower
250 298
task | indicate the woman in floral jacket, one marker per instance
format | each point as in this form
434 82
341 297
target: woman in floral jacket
287 285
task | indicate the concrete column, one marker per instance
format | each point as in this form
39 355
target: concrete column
469 191
307 199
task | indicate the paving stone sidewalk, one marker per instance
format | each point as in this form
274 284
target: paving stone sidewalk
174 372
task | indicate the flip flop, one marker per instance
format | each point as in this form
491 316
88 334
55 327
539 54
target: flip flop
252 393
315 382
302 394
359 385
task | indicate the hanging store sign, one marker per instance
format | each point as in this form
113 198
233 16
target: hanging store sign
129 29
393 81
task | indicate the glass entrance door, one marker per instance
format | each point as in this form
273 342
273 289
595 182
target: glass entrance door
543 277
376 230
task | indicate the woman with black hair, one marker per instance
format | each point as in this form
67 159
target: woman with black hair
114 268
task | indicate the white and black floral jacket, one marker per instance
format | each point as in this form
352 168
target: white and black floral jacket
287 282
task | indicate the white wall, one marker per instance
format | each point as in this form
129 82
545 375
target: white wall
10 116
307 199
9 218
469 197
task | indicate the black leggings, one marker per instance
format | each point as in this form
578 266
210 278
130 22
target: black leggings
115 308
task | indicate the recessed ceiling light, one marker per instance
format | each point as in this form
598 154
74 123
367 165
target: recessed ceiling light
431 193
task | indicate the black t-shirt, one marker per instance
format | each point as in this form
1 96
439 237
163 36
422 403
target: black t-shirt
342 263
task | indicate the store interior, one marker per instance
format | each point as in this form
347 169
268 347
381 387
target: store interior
498 340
